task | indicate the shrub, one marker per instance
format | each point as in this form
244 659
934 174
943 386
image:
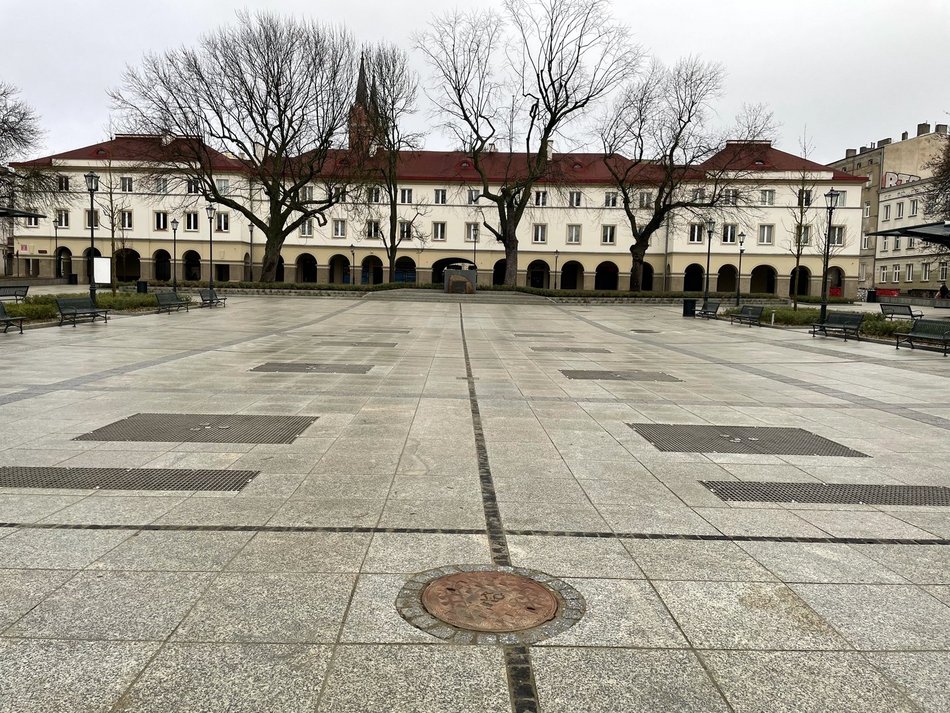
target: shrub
874 325
32 310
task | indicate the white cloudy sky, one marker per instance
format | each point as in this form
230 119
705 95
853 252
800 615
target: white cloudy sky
850 71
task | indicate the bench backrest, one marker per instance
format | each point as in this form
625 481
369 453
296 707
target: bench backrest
167 298
207 294
892 309
711 306
3 311
751 311
930 327
70 303
845 319
15 290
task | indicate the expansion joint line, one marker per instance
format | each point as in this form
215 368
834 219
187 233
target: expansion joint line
521 683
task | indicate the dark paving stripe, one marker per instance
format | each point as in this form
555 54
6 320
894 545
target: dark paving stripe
521 684
594 534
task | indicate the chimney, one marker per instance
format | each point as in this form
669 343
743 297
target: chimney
923 129
905 136
849 153
884 142
941 129
863 149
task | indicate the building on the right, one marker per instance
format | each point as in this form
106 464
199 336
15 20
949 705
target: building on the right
898 175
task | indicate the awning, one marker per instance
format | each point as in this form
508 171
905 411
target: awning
16 213
937 233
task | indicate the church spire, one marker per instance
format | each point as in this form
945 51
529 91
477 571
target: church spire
361 92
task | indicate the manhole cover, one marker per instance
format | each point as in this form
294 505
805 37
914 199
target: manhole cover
763 440
489 601
576 350
484 604
202 428
600 375
124 478
834 493
296 367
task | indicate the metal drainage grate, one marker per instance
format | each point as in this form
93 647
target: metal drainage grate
381 330
382 345
843 493
593 375
645 331
574 350
125 478
542 334
766 440
202 428
297 367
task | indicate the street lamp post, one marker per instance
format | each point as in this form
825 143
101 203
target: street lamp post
739 274
210 209
352 264
831 202
710 227
556 256
175 255
250 245
92 185
57 266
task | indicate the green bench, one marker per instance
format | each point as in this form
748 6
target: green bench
7 321
894 311
749 314
928 331
209 298
17 292
168 301
843 323
72 309
708 310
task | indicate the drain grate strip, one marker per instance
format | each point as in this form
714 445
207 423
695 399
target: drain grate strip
576 350
837 493
762 440
382 345
202 428
595 375
300 367
124 478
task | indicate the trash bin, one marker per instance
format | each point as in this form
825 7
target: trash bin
689 308
871 296
73 278
141 286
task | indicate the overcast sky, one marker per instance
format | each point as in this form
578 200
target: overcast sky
851 71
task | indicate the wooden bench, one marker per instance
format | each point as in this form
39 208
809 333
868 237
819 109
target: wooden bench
932 331
843 323
168 301
9 321
209 298
749 314
17 292
72 309
893 311
708 310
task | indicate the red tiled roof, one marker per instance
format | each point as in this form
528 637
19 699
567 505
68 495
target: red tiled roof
762 156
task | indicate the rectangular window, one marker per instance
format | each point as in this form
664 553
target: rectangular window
125 184
62 218
126 219
438 231
193 186
897 242
699 195
405 195
473 196
909 272
867 210
222 222
610 199
866 242
608 234
883 273
910 243
896 273
32 221
646 199
574 199
339 194
730 196
540 198
441 196
62 183
471 232
697 233
375 194
573 235
223 185
306 194
883 243
306 228
887 212
804 234
161 185
539 234
729 232
914 206
161 220
900 209
191 221
925 272
405 230
842 199
767 197
766 234
943 273
837 236
339 228
862 272
804 197
373 230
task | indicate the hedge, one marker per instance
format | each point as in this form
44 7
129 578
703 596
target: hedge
43 307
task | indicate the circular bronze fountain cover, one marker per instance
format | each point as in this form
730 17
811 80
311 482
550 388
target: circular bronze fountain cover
489 601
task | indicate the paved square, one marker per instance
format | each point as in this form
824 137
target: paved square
483 436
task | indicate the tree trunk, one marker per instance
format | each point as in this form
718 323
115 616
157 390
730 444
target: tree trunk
637 252
510 241
794 289
392 265
271 256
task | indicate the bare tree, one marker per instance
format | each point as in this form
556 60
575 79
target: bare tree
20 134
938 191
385 99
666 157
268 97
522 78
803 218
